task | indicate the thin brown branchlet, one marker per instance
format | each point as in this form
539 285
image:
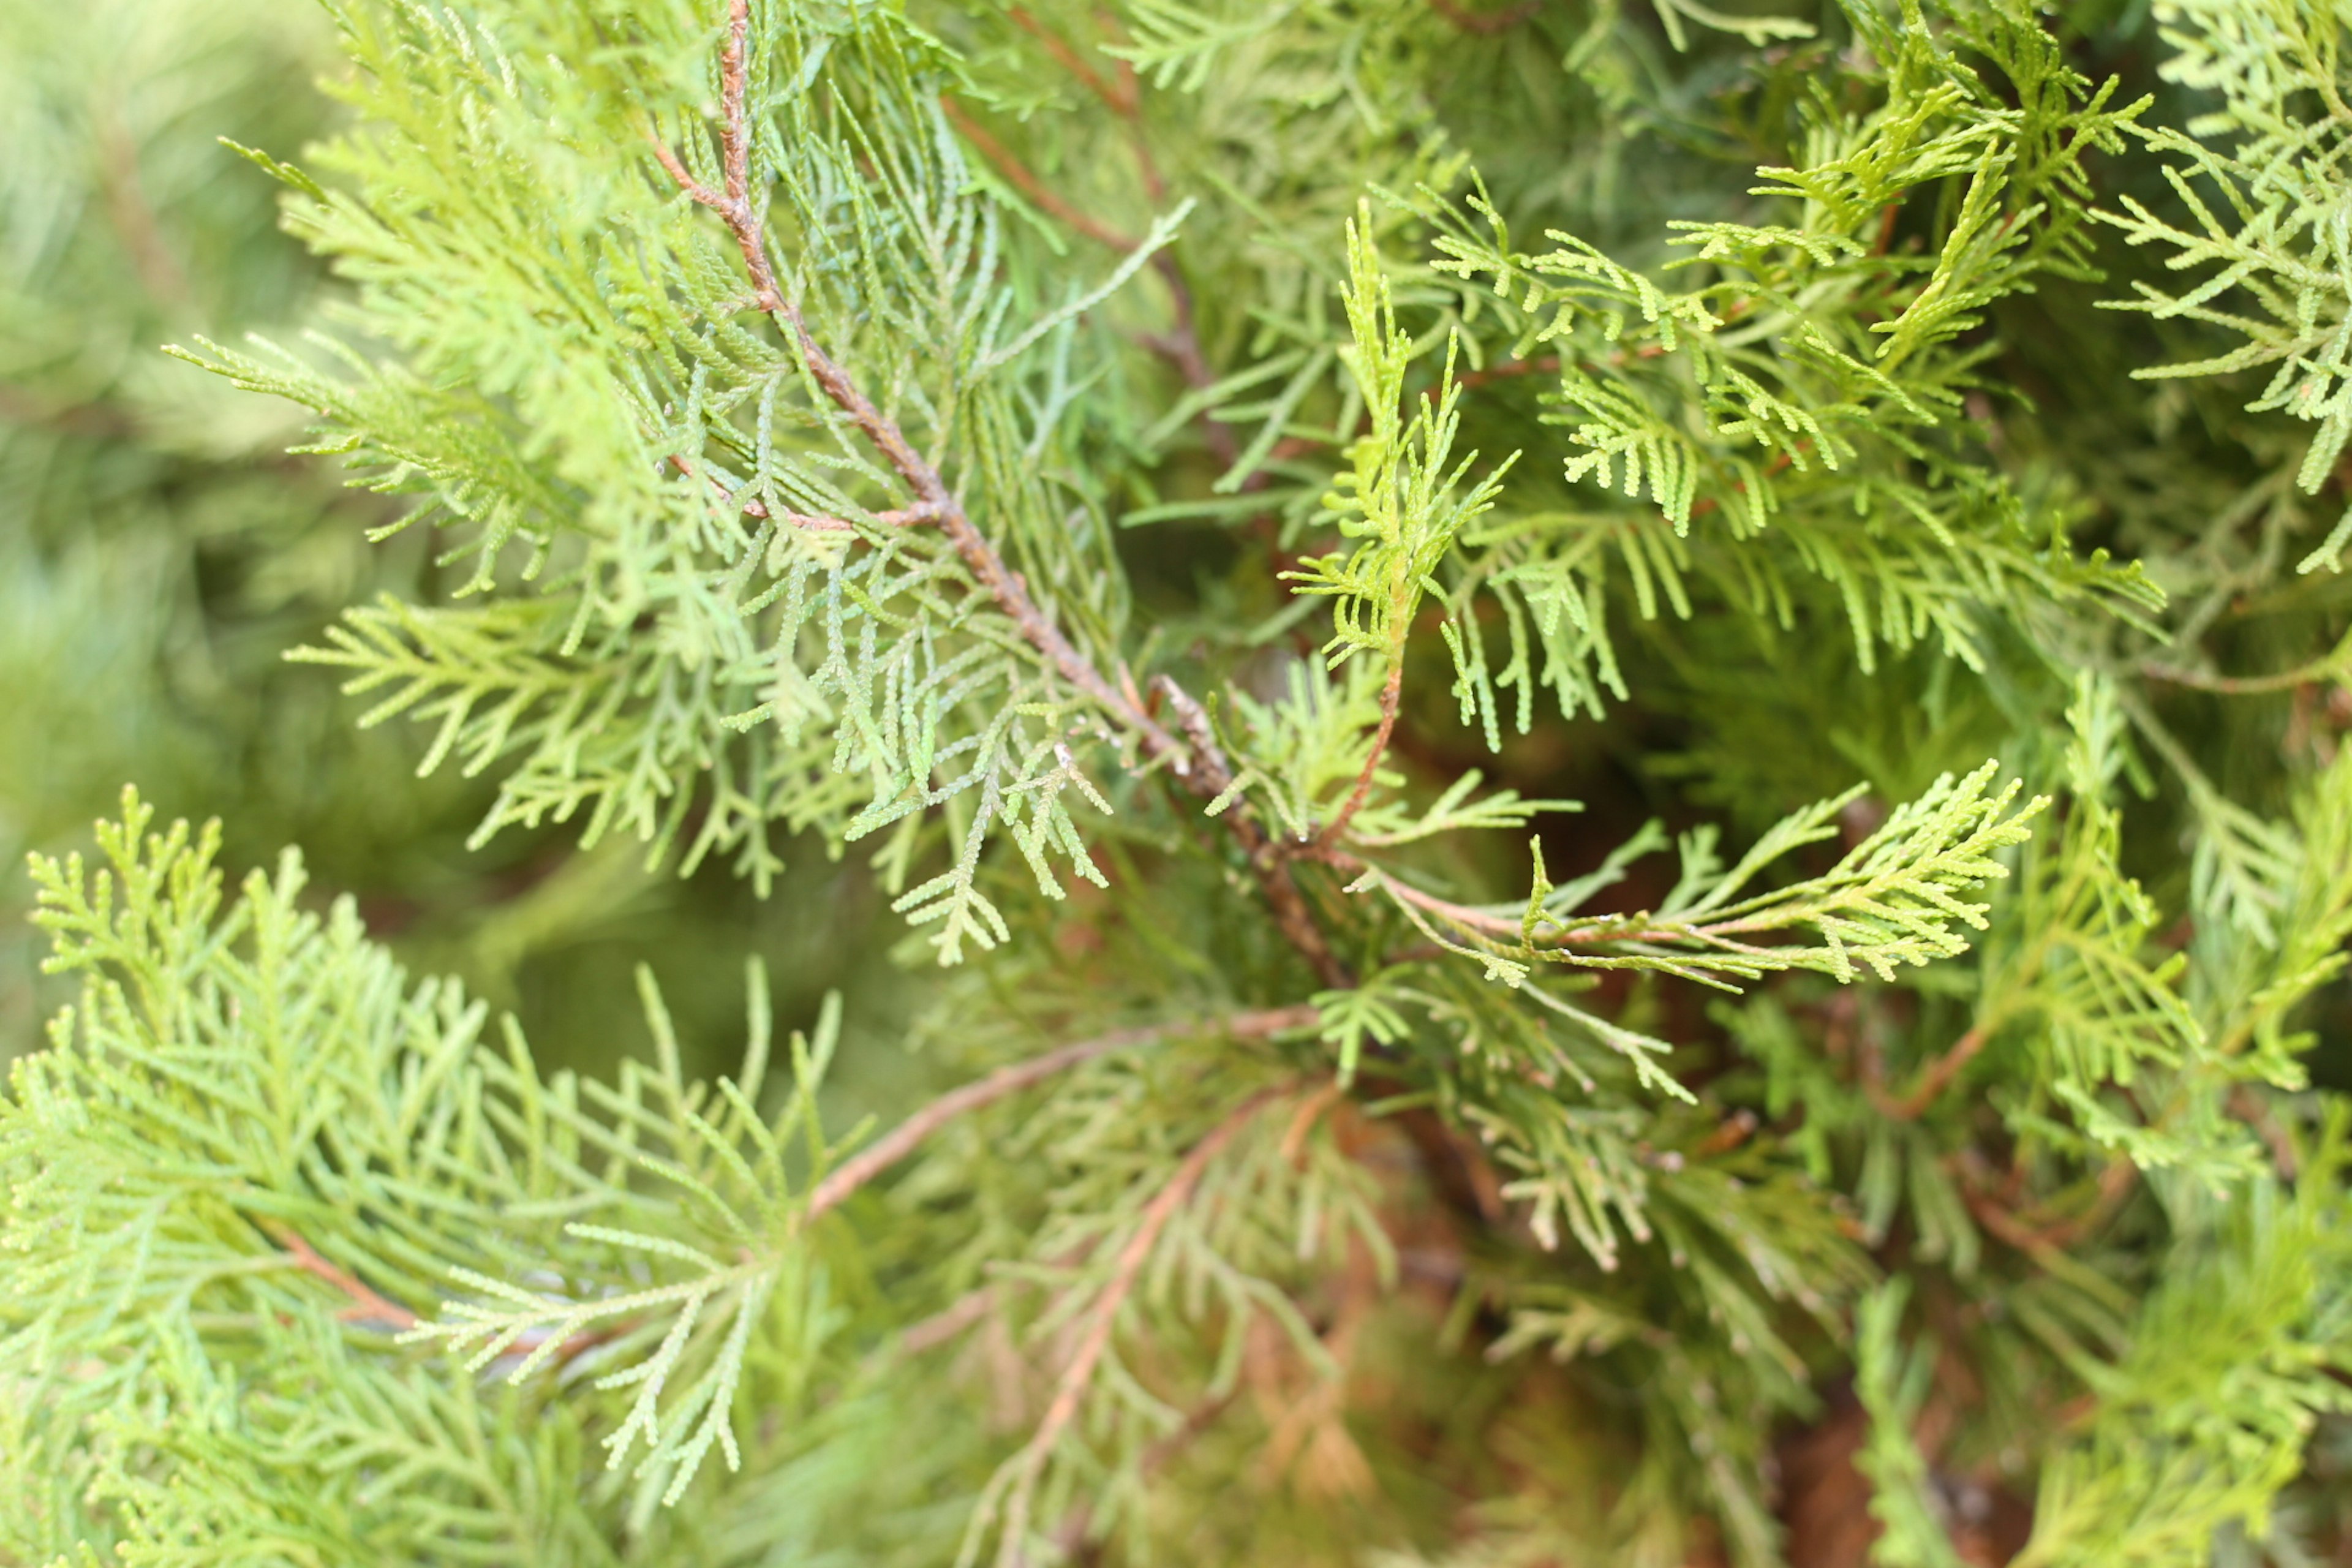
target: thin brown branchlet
903 1140
1102 1320
1198 764
940 504
1392 694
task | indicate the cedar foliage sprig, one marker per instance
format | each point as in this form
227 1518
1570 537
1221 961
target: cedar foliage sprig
811 397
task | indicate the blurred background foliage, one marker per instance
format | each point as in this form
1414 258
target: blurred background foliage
160 553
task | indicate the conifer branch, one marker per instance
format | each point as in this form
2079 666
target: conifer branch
949 1320
1391 693
2334 664
1209 775
1891 899
944 509
1181 346
908 1135
370 1306
764 592
1069 1391
1491 923
940 505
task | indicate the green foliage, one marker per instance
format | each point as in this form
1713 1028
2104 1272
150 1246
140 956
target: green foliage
2260 179
658 464
1893 1387
2185 1440
1098 490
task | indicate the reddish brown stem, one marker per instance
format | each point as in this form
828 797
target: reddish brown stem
1121 91
1210 776
94 421
1935 1076
1069 1391
133 216
1203 769
908 1135
1122 98
1729 1133
1463 915
1887 217
2243 685
1458 1170
367 1306
1717 936
2029 1232
2247 1105
1391 691
979 557
950 1322
1181 346
1042 196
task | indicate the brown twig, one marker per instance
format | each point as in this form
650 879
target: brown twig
2244 685
1392 691
2031 1233
994 578
1211 776
93 421
734 204
1716 935
908 1135
1729 1133
2248 1106
1043 196
1887 217
1180 345
1609 928
1182 348
1123 98
1069 1392
370 1307
1935 1077
1458 1171
367 1306
1200 766
948 1322
1123 92
133 216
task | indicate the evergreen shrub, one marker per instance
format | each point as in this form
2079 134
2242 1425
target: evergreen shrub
1575 773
